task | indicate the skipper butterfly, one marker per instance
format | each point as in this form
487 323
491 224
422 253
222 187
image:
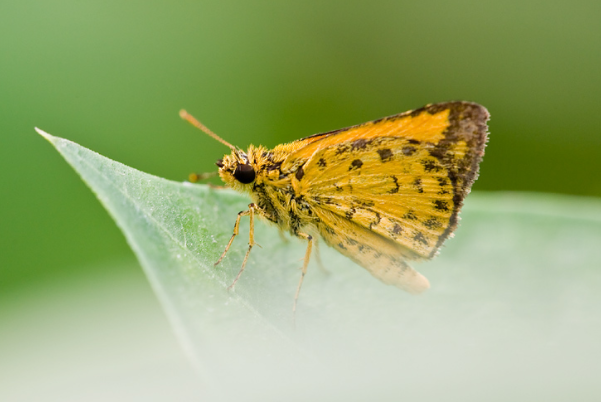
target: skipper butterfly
382 193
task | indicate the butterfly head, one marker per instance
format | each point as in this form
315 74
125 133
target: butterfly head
236 170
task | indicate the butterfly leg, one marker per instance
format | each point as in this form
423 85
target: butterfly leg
252 208
236 225
309 239
318 258
196 177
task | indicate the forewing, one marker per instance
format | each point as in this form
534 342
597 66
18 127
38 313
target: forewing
403 177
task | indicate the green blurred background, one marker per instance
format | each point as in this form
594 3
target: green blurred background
112 75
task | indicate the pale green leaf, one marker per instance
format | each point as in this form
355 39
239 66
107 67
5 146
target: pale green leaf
514 309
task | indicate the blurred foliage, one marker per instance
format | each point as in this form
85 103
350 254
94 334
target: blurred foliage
112 75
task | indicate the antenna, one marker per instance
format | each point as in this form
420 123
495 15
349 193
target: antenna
190 119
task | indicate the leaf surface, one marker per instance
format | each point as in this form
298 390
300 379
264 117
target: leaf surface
516 295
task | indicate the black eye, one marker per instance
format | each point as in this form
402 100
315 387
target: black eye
219 163
244 174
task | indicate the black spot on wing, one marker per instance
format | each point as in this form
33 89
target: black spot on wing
443 181
417 183
360 144
322 163
299 173
362 203
385 154
431 166
342 149
441 205
410 216
432 223
356 164
420 238
328 200
441 152
349 214
396 185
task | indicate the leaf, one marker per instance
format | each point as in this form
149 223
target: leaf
514 305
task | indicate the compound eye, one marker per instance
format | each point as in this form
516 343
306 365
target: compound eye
219 163
244 174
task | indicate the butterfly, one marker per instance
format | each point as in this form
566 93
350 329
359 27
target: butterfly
382 193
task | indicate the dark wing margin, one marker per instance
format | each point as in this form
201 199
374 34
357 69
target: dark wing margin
467 122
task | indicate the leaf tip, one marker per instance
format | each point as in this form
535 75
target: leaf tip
44 134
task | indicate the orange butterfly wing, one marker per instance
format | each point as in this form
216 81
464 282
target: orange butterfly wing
402 177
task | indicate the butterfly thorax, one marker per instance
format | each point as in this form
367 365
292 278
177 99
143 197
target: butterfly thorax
274 188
